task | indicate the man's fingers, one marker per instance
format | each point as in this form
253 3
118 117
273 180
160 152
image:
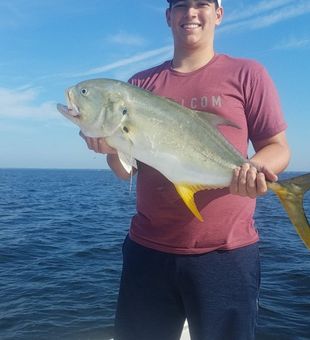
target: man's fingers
234 183
251 188
92 143
82 135
248 181
243 177
261 184
98 145
270 176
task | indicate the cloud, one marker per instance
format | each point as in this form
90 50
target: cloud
247 11
288 12
126 61
21 103
248 17
123 38
293 42
253 18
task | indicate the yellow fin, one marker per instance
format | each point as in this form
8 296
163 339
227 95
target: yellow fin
187 191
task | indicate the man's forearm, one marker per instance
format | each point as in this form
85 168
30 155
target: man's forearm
272 156
275 156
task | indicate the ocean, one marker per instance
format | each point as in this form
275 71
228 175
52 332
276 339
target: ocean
61 233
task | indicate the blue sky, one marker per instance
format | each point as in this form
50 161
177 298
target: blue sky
49 45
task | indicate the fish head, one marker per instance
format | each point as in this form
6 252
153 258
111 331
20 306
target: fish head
97 106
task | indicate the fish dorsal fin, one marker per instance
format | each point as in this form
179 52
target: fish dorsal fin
214 119
127 161
187 191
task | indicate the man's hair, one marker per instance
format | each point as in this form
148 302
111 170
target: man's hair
214 1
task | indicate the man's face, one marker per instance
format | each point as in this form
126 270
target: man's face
193 21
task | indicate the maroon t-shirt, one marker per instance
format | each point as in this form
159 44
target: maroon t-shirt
239 90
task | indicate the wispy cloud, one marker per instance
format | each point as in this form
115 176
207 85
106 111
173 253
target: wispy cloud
126 61
288 12
263 14
247 17
293 42
124 38
22 103
248 11
255 17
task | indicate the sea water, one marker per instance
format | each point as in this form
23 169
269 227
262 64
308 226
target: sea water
61 233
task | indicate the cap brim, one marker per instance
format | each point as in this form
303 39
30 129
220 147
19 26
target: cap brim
218 1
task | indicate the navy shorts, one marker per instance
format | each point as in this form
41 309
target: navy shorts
217 292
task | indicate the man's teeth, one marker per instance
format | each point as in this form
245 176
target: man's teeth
190 25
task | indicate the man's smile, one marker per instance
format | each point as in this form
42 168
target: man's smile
191 25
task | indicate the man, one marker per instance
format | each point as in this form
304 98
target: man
176 267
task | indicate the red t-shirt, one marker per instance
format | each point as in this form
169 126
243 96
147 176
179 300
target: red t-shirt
239 90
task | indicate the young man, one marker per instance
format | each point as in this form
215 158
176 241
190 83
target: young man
176 267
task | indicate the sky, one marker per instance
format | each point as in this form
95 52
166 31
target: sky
48 45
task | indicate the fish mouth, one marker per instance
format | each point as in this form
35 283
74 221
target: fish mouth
69 111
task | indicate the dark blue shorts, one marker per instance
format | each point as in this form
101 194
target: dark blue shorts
217 292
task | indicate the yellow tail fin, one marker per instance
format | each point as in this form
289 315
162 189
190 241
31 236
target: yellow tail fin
291 193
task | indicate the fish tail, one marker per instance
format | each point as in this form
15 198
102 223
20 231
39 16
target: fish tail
291 194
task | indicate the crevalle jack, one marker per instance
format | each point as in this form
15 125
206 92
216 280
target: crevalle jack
183 144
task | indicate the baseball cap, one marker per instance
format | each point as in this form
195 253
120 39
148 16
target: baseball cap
218 1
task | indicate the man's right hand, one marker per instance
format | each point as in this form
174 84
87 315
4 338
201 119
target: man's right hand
98 145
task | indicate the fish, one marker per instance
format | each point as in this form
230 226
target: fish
184 145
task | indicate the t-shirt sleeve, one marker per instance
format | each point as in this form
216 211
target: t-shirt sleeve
262 105
133 80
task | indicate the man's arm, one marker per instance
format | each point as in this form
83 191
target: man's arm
272 156
99 145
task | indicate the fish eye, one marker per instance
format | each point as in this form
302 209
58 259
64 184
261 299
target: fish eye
84 91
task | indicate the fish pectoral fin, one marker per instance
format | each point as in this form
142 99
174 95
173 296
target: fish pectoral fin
187 192
127 161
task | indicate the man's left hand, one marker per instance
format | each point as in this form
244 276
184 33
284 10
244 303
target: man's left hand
250 180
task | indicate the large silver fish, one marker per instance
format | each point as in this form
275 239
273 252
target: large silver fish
183 144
